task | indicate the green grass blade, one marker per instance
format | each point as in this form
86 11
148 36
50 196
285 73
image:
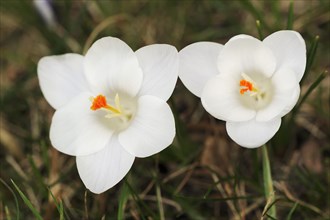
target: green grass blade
190 208
61 211
122 201
160 203
15 198
286 130
59 206
248 5
291 211
270 217
27 202
54 199
113 19
310 58
318 80
44 154
140 204
8 216
259 30
268 182
187 150
222 199
289 25
275 7
311 53
38 176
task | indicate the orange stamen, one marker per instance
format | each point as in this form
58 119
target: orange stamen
100 101
248 86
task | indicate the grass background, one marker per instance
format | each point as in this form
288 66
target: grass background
203 174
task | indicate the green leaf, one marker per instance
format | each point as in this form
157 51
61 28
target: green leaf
122 201
27 202
289 25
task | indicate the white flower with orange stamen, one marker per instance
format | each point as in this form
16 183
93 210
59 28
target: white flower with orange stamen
248 83
110 106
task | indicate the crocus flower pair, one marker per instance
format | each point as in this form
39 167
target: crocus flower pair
111 103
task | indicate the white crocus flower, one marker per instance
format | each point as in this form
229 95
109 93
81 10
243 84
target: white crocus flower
110 106
248 83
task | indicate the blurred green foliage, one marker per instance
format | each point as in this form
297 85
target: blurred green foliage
203 175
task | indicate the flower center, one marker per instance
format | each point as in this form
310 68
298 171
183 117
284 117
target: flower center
100 101
115 110
247 86
255 93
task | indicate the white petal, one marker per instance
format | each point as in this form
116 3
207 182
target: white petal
111 67
240 36
292 103
289 49
61 78
198 63
152 129
246 55
284 82
252 134
104 169
220 98
160 65
77 130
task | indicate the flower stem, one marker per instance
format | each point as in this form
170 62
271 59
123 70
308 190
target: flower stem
268 184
